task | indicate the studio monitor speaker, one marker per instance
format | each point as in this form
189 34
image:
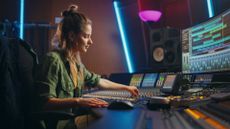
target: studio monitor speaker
165 50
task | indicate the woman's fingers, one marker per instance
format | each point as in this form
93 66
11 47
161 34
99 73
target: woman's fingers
93 102
134 91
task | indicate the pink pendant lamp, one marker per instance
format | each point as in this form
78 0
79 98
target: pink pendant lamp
149 10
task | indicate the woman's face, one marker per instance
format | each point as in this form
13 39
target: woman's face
83 40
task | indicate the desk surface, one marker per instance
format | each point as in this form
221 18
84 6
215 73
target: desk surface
138 118
176 118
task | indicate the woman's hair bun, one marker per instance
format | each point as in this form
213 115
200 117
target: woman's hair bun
71 10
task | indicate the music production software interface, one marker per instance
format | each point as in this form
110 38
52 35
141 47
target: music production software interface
206 47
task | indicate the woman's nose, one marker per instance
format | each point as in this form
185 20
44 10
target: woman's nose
90 41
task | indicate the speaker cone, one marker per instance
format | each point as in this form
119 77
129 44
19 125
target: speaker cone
158 54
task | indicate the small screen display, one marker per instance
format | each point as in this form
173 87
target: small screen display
149 80
203 78
136 80
160 80
169 81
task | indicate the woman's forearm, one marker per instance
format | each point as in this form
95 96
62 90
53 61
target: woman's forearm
65 103
107 84
60 103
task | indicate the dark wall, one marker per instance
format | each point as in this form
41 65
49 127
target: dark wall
198 11
38 11
9 15
9 9
176 14
221 5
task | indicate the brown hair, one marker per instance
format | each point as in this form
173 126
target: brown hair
73 21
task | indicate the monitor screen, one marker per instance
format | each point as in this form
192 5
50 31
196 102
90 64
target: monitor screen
206 47
136 80
149 80
160 80
169 81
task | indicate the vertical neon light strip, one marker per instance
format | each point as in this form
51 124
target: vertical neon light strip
21 18
210 8
123 37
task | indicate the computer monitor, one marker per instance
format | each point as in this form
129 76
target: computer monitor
149 80
136 80
206 47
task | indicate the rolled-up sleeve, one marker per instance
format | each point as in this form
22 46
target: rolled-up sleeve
91 79
48 77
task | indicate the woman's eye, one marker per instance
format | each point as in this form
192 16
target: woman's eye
87 36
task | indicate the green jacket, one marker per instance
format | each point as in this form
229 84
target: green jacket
54 78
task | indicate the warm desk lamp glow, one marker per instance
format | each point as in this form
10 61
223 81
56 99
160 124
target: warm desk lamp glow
150 15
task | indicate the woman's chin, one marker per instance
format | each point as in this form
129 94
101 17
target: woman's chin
85 50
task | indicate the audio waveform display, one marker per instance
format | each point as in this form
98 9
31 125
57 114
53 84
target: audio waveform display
206 47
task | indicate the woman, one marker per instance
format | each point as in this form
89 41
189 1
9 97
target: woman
62 75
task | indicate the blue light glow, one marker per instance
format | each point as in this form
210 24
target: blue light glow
210 8
21 19
123 37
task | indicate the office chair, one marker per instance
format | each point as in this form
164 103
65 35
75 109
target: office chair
18 64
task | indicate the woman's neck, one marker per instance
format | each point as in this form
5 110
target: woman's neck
73 56
78 57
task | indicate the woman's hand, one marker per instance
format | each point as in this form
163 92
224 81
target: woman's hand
91 102
133 90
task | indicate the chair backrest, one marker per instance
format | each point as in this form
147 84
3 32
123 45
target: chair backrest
26 65
17 68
